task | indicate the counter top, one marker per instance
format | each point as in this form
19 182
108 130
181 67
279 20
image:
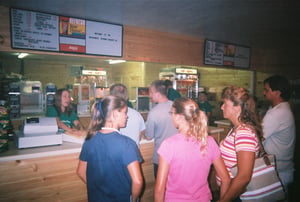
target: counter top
14 154
225 122
213 129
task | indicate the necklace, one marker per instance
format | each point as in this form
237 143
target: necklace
108 128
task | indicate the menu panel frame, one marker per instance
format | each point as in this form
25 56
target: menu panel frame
226 54
33 30
28 32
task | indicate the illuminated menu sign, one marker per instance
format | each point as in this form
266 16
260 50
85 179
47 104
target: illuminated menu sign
41 31
218 53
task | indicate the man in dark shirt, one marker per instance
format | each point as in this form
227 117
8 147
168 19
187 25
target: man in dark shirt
172 93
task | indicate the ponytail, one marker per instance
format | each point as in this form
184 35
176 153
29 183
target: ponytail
197 120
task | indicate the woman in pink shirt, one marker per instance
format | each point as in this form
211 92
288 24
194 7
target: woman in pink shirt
185 158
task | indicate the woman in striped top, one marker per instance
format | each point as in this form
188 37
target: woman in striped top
241 146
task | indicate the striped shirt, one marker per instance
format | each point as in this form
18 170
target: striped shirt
242 138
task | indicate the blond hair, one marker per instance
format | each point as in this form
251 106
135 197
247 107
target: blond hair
197 120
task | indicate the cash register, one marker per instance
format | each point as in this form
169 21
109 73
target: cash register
37 132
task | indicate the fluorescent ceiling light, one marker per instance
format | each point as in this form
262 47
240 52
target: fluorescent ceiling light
115 61
22 55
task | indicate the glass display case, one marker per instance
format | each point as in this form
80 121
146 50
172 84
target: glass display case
143 102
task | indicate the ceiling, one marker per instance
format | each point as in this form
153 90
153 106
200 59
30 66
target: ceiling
270 24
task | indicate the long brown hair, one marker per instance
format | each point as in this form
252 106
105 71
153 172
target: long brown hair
101 110
196 119
57 104
249 114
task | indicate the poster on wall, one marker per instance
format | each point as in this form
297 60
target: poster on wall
224 54
34 30
41 31
72 35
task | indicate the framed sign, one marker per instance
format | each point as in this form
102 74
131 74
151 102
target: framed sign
34 30
225 54
42 31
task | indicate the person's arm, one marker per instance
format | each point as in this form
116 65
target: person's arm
142 135
52 112
63 126
78 125
245 163
150 127
222 172
134 169
81 170
161 180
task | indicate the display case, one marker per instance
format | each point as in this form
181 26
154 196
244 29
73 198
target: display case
81 96
185 80
143 101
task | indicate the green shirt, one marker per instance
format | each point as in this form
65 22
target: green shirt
205 106
173 94
67 120
129 104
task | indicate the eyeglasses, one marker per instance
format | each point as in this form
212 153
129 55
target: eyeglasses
170 112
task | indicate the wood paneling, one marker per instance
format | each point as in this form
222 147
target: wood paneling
55 179
147 167
42 179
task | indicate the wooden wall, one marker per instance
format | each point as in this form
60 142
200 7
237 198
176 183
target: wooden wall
152 46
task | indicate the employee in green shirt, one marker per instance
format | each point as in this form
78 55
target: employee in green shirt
172 93
66 117
204 105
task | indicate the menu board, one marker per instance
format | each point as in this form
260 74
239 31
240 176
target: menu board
42 31
222 54
34 30
72 35
105 36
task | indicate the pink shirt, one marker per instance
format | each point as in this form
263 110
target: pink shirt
189 168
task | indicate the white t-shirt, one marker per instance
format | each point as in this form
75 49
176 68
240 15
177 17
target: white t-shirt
135 125
279 134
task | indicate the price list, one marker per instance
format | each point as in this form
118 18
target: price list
42 31
33 30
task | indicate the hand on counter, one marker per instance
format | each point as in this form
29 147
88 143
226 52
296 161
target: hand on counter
77 133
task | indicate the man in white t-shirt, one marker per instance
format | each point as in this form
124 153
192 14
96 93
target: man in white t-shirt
135 127
279 127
